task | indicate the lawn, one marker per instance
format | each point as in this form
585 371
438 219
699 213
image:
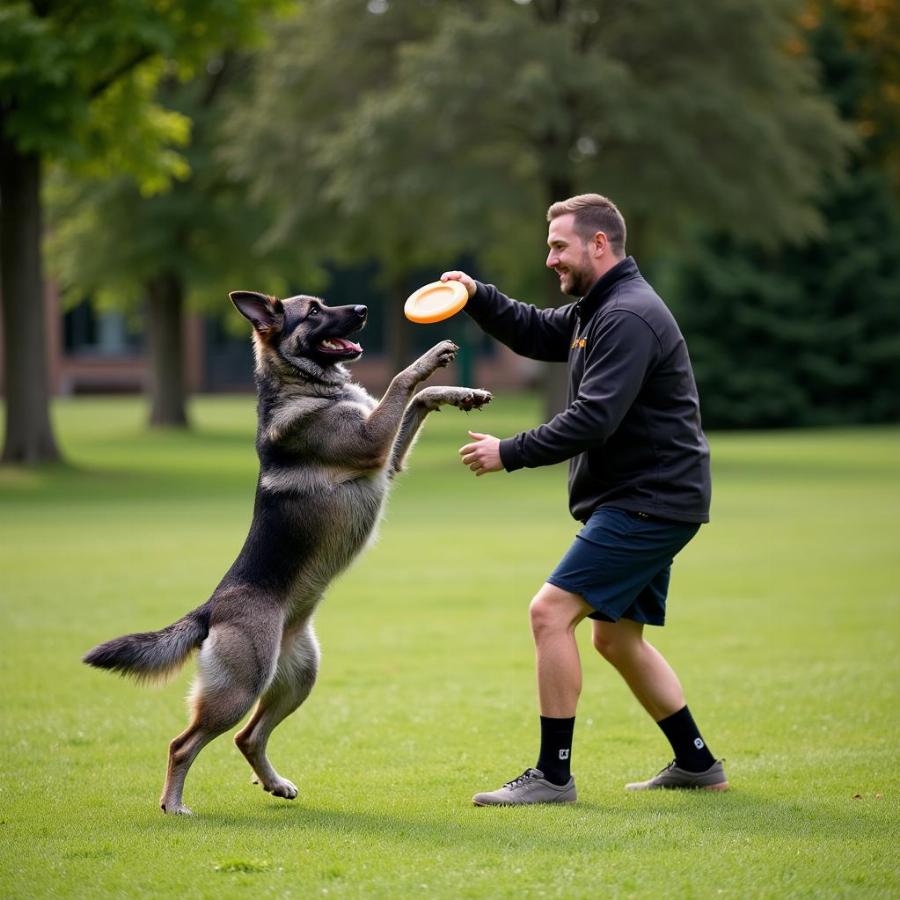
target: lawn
784 626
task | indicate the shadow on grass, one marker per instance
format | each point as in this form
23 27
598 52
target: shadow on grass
166 478
575 827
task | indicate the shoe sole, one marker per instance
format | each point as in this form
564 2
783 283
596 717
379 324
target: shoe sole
541 803
722 786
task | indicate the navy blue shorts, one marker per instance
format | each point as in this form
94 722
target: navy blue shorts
620 564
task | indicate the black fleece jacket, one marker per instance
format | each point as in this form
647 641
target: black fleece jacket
631 431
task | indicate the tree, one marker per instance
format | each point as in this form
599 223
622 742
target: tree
871 29
77 84
290 143
474 117
186 246
810 334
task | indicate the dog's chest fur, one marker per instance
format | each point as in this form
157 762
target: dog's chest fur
313 513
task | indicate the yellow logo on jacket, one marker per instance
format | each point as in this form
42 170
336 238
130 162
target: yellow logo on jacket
579 343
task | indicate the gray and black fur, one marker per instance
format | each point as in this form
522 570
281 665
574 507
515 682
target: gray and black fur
328 453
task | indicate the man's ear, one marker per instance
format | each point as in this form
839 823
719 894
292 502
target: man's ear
266 313
600 243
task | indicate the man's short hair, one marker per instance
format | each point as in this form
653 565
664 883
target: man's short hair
593 213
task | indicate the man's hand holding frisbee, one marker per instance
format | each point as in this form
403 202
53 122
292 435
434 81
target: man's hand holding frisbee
463 279
483 455
433 303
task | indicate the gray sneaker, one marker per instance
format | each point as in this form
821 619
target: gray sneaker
713 779
529 787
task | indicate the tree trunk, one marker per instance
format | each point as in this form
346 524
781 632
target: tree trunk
165 336
29 434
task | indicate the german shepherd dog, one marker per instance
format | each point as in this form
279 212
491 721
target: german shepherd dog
328 453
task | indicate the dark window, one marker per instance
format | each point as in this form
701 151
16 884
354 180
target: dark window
87 331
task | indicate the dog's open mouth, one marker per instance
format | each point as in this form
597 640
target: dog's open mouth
340 347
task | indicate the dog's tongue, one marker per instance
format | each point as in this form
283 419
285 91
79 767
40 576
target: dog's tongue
340 345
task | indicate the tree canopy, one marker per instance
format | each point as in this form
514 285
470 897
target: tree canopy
78 80
418 131
419 134
810 334
202 229
79 85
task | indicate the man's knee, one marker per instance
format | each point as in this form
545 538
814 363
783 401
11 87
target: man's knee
615 644
604 644
541 615
554 610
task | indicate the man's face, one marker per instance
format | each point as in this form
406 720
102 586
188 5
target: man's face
570 257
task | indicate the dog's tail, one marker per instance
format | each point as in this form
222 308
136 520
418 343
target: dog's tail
153 655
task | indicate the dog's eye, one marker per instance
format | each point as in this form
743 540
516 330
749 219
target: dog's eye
313 311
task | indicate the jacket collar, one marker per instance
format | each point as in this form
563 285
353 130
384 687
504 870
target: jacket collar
603 287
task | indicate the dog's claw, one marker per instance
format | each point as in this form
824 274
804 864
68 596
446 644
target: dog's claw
283 788
279 788
179 810
478 399
447 353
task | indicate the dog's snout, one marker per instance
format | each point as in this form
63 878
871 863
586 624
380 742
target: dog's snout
360 311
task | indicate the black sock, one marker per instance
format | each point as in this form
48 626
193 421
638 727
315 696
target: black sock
691 753
556 749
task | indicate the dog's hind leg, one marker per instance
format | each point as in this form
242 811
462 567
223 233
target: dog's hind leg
236 665
295 676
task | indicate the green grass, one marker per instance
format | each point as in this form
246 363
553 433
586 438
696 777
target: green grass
783 626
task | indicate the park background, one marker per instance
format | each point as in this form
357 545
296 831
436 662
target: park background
155 155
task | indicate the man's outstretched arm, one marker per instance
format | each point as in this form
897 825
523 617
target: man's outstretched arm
544 334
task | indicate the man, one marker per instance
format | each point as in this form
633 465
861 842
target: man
638 480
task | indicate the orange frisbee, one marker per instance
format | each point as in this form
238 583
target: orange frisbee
436 301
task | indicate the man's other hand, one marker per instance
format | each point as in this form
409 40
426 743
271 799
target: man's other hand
483 455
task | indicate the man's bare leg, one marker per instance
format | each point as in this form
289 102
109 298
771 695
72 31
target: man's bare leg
651 679
554 615
659 691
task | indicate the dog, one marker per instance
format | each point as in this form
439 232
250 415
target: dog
328 453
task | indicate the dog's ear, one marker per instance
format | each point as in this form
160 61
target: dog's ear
265 313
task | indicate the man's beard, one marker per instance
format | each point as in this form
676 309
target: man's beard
577 282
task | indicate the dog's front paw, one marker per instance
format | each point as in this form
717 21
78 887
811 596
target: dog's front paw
446 352
474 398
434 398
438 356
